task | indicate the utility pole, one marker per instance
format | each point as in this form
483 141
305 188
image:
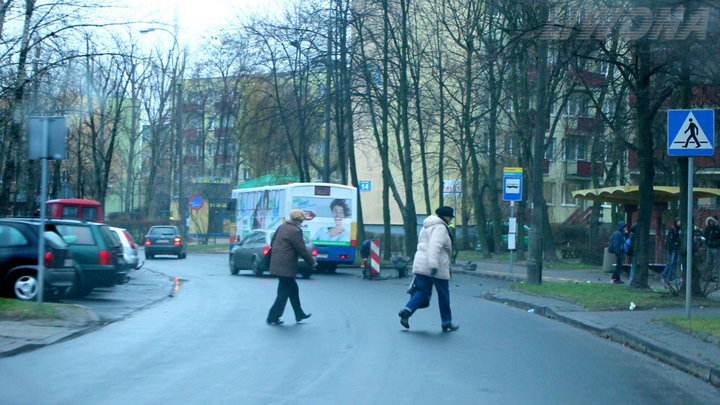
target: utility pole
534 262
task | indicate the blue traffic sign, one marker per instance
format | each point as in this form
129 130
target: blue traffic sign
364 185
512 188
196 202
691 132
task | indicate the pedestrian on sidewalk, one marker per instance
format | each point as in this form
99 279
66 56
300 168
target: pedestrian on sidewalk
673 244
712 240
453 237
287 244
628 248
616 241
431 266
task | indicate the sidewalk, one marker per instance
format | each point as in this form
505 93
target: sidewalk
696 355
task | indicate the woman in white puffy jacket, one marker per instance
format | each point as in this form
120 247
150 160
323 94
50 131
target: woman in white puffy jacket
431 266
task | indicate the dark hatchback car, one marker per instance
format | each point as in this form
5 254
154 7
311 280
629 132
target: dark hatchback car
165 240
98 255
256 244
19 258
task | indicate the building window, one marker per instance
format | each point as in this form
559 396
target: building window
567 197
575 148
509 146
550 148
549 193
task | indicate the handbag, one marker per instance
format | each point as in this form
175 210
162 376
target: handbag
412 288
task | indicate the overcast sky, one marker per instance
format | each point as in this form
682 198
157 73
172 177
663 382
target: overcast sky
195 17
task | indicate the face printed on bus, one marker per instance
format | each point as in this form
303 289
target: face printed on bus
339 214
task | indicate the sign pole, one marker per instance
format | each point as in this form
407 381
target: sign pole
512 214
43 198
690 227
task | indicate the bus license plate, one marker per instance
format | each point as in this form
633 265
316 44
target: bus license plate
322 255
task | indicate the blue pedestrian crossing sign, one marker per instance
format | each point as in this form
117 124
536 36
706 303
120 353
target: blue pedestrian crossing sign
691 132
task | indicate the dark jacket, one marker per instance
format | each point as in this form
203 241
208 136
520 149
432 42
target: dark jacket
712 233
287 245
628 247
672 239
618 239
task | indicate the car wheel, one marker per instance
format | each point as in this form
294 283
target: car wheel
184 255
233 270
256 268
25 287
149 257
180 256
306 273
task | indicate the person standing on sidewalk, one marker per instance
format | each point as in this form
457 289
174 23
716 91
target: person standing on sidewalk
431 266
628 248
453 238
617 240
712 240
287 244
673 244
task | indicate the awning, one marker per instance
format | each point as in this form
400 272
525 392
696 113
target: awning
631 194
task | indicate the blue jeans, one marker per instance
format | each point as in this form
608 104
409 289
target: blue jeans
422 294
671 266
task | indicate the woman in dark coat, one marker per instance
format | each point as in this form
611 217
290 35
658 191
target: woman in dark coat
287 245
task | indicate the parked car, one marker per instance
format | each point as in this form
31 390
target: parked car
247 254
165 240
130 250
19 258
97 252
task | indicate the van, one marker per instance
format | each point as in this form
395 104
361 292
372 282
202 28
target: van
74 208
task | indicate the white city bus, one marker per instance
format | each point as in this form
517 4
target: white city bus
331 211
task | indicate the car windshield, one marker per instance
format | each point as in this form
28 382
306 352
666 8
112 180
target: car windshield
169 231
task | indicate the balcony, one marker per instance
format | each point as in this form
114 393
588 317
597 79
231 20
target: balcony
582 168
589 125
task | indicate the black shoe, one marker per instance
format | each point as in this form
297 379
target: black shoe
449 327
301 317
274 322
404 318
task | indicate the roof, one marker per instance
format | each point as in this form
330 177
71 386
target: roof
269 180
631 194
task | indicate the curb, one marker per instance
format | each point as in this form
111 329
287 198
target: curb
683 363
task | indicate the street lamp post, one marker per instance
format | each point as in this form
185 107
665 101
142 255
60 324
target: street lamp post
182 202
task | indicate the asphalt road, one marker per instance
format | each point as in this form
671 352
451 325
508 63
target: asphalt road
209 344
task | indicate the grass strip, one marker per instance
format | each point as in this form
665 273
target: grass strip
16 310
708 325
609 297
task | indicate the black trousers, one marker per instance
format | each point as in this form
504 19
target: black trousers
287 288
